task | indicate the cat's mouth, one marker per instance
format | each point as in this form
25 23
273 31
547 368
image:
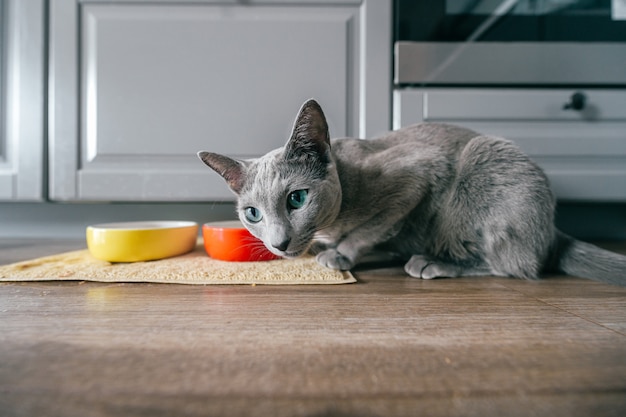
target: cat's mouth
290 253
293 254
295 250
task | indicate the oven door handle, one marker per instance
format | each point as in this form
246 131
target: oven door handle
576 102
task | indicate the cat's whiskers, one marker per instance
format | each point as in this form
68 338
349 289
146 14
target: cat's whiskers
257 248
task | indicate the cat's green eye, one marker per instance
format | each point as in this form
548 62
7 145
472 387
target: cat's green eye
253 215
296 199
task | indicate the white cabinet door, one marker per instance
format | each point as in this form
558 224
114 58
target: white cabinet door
21 100
136 89
582 151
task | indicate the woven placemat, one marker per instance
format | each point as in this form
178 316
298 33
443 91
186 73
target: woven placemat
192 268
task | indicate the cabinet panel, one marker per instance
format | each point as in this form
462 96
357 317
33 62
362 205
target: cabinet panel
158 82
21 100
157 78
583 152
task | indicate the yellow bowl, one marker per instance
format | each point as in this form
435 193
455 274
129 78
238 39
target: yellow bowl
141 241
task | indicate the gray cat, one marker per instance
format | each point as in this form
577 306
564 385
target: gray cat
444 199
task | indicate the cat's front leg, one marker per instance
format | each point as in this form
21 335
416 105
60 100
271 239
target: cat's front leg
332 258
317 247
359 242
327 255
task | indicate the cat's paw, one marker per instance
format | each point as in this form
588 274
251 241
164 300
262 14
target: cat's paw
332 259
420 266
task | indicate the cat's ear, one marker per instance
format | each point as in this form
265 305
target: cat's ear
231 170
310 133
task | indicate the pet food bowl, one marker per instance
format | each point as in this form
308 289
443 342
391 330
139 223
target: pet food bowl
230 241
141 241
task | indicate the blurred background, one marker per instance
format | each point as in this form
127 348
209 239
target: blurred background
104 104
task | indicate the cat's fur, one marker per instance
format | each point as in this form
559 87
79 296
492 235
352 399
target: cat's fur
447 200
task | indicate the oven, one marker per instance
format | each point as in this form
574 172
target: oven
547 74
504 42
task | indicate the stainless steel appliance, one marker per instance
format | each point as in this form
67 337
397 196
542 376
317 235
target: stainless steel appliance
510 42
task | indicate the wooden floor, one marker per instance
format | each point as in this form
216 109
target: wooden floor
389 345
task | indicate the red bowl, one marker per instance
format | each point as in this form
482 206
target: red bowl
230 241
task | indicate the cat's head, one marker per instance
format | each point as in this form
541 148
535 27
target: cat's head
287 195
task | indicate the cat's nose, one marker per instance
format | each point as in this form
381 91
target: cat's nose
282 246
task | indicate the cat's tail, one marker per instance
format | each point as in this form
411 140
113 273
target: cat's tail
585 260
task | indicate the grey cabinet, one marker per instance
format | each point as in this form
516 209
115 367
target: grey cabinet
582 151
137 88
22 54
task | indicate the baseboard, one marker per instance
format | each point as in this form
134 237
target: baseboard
588 221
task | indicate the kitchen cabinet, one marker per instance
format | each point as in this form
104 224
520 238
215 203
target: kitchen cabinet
22 100
580 144
136 88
